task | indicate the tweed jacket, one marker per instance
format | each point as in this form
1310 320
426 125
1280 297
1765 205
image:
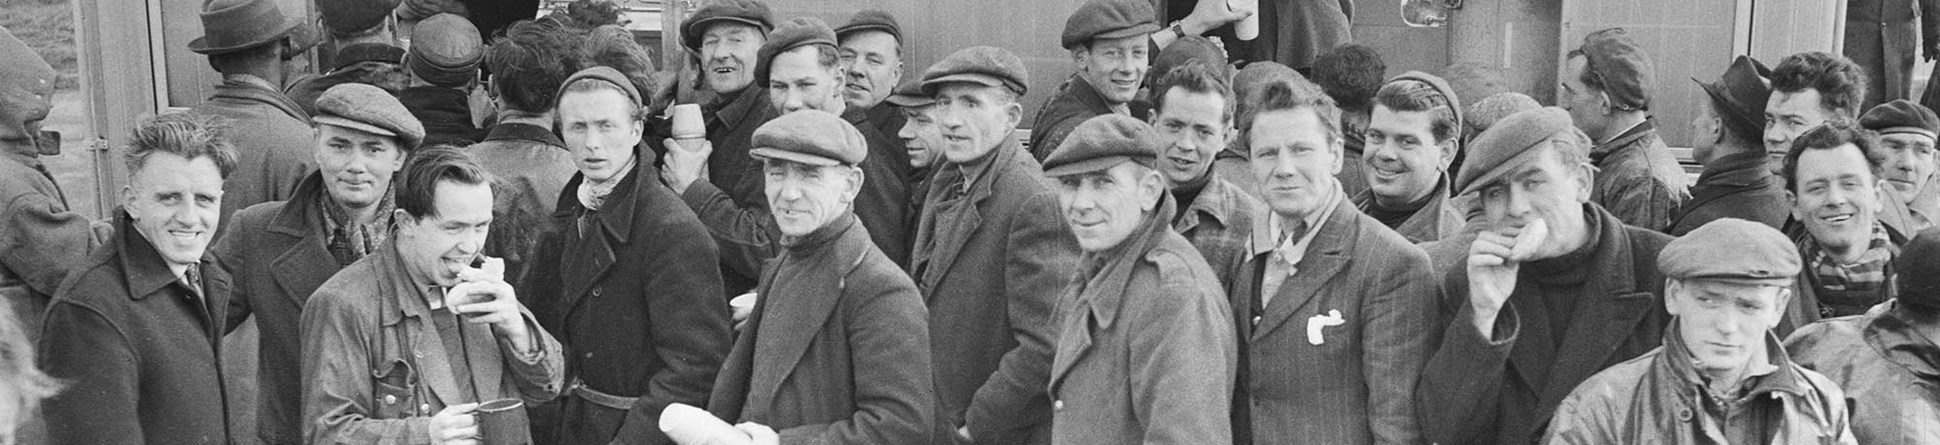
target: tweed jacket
1071 104
273 140
1218 223
1889 372
1638 179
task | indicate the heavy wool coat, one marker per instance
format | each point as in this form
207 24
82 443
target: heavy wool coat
40 237
273 139
1071 104
1734 186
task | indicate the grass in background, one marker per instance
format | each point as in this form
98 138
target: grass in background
48 27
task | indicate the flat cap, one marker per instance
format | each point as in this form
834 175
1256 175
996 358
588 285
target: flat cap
871 20
986 65
369 109
26 87
1731 249
1918 269
1485 113
1741 92
1108 19
1102 142
1901 116
445 50
799 32
343 17
1503 146
1626 71
1186 50
367 52
1440 86
812 137
604 74
751 12
910 95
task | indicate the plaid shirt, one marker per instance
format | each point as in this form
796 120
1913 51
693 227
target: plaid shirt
1218 223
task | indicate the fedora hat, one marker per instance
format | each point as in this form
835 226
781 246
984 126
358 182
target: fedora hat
235 25
1742 91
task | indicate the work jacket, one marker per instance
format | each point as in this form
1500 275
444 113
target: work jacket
1889 371
1734 186
1433 221
1638 179
1073 103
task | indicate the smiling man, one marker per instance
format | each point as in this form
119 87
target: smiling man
871 45
1721 376
137 328
1836 197
725 37
1193 116
1905 155
1414 132
1109 40
1888 359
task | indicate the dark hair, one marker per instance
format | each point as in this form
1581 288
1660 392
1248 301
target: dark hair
1350 74
1416 96
1286 96
417 189
1840 82
613 47
1833 134
1195 77
530 61
189 135
588 14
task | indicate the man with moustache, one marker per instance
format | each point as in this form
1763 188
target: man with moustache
1554 288
1412 134
1109 40
1606 88
280 252
1905 154
136 330
1836 199
1888 359
1736 183
871 45
1193 115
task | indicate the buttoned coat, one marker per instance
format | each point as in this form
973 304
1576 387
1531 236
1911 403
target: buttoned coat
276 252
1071 104
1890 373
139 353
636 303
1357 385
836 350
1638 179
1478 390
273 140
990 259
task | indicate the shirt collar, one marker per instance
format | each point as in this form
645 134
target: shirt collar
1268 237
524 132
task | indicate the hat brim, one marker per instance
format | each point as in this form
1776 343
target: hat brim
1719 96
1086 166
1752 281
1141 29
302 36
909 101
691 34
1528 155
805 158
336 121
846 30
930 86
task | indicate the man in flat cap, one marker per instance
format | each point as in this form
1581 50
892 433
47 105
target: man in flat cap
1193 120
871 45
1554 288
922 143
1109 40
1324 286
403 346
725 38
257 50
443 63
1905 154
837 349
1721 375
1809 89
1413 134
136 329
1606 88
1836 195
1145 350
1736 182
991 255
528 65
1887 359
628 279
280 252
40 237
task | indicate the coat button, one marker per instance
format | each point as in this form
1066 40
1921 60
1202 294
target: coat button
1057 405
424 408
596 291
390 399
589 355
1683 414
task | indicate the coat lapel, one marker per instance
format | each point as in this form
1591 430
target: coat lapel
1607 315
807 307
592 255
421 336
967 218
307 263
1326 255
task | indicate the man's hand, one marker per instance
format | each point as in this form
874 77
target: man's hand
493 303
1493 260
963 434
759 434
686 165
455 425
1211 14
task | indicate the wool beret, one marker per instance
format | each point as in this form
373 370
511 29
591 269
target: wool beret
1102 142
1918 269
1731 249
345 17
1626 71
1188 49
871 20
367 52
799 32
1486 112
910 95
445 50
26 87
601 73
1901 116
1108 19
369 109
812 137
1741 92
1501 148
986 65
1440 86
750 12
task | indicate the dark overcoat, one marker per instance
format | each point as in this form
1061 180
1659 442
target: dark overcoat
1071 104
1881 37
1734 186
273 140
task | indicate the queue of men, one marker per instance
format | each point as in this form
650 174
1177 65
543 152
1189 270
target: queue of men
1185 252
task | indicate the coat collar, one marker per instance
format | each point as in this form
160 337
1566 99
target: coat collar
802 307
1435 219
404 297
512 131
617 214
1608 311
243 90
1746 169
1103 292
307 263
1897 341
735 110
141 265
1774 375
1327 254
1085 95
1627 140
1215 202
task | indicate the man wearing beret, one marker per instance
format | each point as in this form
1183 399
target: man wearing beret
1606 88
1836 196
136 330
627 279
1194 122
1721 376
837 349
922 143
1736 182
280 252
725 37
1333 310
257 49
1887 359
443 64
1145 346
40 237
1554 288
872 48
1905 153
1413 133
521 149
1809 89
990 257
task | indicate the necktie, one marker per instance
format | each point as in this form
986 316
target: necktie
1280 264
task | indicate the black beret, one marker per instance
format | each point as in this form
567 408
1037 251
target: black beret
986 65
1108 19
811 137
1918 271
871 20
751 12
1731 249
1625 69
1901 116
1501 148
1102 142
369 109
800 32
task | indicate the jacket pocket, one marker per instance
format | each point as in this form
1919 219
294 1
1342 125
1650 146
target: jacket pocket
394 387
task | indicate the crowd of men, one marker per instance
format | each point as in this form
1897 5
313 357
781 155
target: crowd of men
1181 250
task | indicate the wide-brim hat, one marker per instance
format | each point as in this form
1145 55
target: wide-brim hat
235 25
1742 91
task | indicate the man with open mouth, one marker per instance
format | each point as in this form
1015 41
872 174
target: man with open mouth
1193 120
1836 199
1412 136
